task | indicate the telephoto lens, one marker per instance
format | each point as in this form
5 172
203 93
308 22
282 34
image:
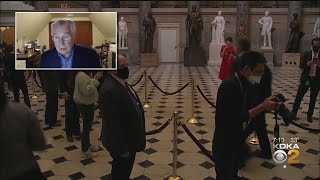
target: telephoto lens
283 111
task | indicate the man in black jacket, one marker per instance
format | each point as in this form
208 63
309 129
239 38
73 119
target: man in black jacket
17 78
123 121
310 78
243 45
257 93
232 112
51 86
72 115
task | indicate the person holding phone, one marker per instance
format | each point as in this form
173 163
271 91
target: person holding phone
227 54
85 95
310 78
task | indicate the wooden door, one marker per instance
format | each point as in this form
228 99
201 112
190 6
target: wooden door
83 33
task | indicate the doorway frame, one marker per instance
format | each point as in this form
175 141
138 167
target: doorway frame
170 26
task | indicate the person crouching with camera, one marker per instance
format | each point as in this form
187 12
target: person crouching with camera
232 111
310 78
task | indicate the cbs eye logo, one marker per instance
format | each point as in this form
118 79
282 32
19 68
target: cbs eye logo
280 156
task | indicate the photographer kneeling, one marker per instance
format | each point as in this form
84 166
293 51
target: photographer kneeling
232 112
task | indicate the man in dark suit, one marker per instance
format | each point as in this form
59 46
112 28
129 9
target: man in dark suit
72 114
232 112
51 86
66 54
257 93
123 121
243 45
310 78
17 78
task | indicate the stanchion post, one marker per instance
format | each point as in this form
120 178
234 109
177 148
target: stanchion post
192 120
174 175
146 105
254 140
34 96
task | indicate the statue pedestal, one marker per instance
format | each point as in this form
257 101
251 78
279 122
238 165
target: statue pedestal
291 60
268 54
214 54
194 56
149 59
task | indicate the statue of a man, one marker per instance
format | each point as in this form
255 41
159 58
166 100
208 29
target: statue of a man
194 24
295 35
123 32
218 28
266 22
316 29
149 24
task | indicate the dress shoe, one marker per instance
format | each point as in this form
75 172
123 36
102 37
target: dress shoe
55 125
310 119
263 155
69 139
77 134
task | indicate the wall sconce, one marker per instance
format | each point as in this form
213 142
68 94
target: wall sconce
3 28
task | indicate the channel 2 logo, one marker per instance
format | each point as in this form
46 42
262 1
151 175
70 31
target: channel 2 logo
280 156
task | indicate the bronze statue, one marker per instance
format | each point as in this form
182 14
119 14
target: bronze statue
295 35
194 24
149 24
242 29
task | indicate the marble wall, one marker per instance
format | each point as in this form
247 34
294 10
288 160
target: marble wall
178 15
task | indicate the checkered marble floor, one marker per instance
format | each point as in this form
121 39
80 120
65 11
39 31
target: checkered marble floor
63 160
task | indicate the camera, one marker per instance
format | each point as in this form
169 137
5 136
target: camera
283 111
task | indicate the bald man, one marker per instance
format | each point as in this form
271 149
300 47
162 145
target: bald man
123 121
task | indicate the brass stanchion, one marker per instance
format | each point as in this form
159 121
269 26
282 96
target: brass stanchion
174 175
192 120
254 140
34 96
146 105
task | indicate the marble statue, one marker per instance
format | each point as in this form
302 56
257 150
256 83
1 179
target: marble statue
123 32
149 24
316 29
295 35
218 29
194 25
266 22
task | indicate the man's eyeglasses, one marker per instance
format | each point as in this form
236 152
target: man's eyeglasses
56 38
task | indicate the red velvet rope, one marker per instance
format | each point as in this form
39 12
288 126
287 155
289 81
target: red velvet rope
167 93
202 148
156 131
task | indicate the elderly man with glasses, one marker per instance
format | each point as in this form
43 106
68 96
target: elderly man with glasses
66 53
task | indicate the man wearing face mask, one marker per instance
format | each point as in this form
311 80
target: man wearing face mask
310 78
257 93
232 111
123 121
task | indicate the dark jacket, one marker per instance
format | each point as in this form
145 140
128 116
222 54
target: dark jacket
307 56
259 92
83 58
231 112
67 81
123 121
16 77
50 80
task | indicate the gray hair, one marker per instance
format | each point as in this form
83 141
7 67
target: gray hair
64 22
